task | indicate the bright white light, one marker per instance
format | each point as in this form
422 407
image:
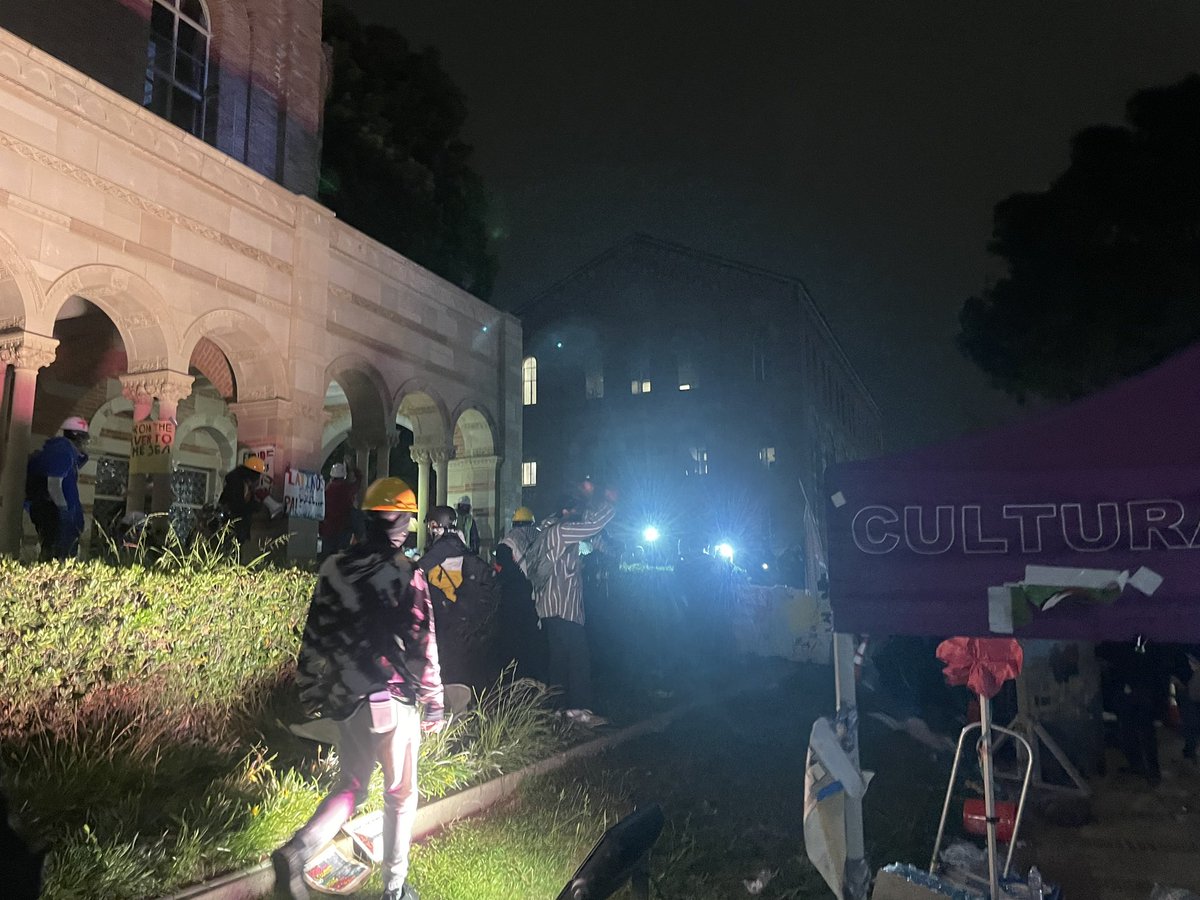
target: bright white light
559 345
725 551
685 387
765 567
485 329
650 535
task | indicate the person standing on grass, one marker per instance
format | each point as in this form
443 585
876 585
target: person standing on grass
369 661
463 589
519 639
554 571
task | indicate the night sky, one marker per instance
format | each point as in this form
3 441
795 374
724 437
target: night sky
857 146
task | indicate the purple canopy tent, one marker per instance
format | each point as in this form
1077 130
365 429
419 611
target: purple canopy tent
1111 482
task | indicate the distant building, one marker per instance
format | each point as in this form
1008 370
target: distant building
713 393
162 258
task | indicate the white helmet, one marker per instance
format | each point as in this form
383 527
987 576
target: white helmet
464 500
337 470
77 424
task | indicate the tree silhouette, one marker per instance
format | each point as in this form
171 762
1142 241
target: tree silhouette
1103 267
392 163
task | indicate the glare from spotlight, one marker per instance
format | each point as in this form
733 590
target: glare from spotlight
650 535
765 567
559 345
725 551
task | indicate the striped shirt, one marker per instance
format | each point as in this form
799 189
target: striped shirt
562 595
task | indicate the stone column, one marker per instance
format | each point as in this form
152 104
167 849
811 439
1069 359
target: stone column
421 457
139 392
441 461
383 455
170 388
27 353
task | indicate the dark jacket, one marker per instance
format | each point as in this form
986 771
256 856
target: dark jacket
370 624
463 588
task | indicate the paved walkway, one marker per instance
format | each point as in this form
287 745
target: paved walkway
1140 836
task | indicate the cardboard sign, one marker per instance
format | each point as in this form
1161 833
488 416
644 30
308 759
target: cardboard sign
304 494
150 444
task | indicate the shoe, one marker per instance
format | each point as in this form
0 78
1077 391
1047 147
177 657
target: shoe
404 893
585 717
288 862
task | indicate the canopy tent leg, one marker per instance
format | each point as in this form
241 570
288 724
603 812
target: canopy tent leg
858 874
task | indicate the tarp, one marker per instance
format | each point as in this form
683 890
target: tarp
1111 482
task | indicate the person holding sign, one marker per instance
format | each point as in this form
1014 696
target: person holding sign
52 490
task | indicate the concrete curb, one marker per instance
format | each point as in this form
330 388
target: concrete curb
259 881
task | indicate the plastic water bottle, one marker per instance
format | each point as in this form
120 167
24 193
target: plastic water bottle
1034 884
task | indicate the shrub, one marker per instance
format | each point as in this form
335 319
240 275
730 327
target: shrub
171 651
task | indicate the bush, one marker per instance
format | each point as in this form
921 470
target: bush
142 727
173 652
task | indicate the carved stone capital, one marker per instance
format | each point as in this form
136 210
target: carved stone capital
420 455
26 350
441 455
169 387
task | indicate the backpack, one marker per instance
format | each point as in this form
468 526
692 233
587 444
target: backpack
537 563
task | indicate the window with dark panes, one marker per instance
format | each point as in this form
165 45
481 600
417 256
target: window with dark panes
177 63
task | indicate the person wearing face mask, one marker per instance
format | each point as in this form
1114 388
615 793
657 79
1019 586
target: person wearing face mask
52 490
369 661
463 589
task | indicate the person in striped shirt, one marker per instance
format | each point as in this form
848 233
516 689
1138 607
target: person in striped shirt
559 598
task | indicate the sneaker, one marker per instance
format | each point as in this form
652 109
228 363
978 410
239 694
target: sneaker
403 893
288 862
585 717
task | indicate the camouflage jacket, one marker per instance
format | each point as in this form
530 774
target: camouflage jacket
370 626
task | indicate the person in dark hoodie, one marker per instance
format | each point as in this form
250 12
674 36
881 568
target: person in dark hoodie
369 661
463 588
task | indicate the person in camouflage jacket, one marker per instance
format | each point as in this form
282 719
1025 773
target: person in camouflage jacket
368 660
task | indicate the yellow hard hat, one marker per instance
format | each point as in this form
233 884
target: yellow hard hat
390 495
255 464
523 514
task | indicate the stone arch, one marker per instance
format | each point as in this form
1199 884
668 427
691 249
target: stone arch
20 292
421 405
474 430
366 393
132 303
251 352
221 428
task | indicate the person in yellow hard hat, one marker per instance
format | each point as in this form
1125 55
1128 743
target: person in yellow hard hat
369 661
518 637
239 495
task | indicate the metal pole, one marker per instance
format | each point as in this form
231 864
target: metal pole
858 875
989 791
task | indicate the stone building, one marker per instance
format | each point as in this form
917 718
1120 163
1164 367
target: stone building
713 393
161 258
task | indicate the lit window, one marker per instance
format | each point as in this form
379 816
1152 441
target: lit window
594 383
640 386
699 461
766 456
685 387
177 63
529 381
529 473
645 387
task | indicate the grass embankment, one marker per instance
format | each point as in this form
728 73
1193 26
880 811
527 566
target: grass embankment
142 730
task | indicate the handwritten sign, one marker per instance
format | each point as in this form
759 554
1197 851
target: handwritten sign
150 447
304 494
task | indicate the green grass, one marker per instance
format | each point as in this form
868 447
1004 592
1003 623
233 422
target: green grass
143 732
